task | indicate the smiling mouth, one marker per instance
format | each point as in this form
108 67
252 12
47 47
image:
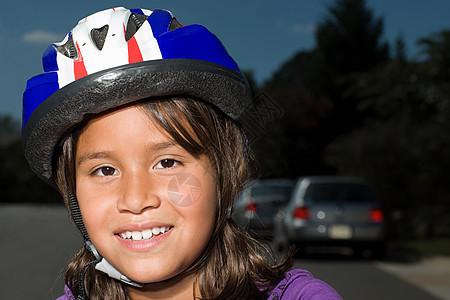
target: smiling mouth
145 234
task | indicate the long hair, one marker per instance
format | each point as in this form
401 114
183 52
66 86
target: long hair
233 265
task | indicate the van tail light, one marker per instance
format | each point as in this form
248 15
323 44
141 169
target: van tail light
376 215
251 206
301 213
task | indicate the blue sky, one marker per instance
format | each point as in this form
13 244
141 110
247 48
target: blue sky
259 34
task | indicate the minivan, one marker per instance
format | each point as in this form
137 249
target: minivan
332 211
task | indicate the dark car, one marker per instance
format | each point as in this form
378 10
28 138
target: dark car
336 211
258 203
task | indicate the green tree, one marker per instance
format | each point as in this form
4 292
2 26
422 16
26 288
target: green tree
8 124
436 49
400 54
403 148
287 146
17 182
349 42
310 88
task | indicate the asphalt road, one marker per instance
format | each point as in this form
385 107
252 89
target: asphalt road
36 243
361 279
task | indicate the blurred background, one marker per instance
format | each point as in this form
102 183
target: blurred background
342 87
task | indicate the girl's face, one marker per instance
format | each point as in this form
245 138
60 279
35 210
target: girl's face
147 204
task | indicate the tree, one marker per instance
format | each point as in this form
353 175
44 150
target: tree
349 39
437 51
349 42
286 147
310 88
403 147
8 124
400 54
17 182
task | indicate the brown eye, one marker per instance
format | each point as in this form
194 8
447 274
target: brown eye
106 171
167 163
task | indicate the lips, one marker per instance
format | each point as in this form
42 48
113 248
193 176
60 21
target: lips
145 234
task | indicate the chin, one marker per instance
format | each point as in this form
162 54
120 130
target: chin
150 274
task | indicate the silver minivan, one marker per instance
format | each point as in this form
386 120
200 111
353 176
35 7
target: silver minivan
334 211
256 206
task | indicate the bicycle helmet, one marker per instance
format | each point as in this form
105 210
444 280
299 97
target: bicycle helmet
118 56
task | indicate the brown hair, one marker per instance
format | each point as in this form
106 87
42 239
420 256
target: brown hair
242 267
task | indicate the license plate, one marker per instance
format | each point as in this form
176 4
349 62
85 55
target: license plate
340 232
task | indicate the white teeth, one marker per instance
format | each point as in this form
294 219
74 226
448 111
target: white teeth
144 235
136 235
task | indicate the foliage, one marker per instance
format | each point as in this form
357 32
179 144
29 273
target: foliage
349 39
425 247
8 124
17 182
403 146
310 90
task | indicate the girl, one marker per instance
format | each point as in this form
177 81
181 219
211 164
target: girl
136 121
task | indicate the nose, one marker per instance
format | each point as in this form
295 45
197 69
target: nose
139 192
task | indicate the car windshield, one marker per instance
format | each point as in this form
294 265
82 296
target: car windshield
339 192
269 193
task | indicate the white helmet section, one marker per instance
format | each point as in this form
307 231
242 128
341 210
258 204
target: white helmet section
116 51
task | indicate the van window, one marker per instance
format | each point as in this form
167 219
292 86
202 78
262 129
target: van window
271 190
271 193
338 192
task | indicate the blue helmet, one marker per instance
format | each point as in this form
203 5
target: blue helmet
119 56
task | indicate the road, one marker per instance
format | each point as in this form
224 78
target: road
36 243
362 279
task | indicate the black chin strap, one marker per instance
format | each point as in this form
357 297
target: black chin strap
76 214
78 220
81 289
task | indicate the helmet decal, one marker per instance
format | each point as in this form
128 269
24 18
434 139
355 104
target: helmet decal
134 53
99 36
79 69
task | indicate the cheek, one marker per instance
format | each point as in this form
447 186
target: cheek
185 190
95 209
199 202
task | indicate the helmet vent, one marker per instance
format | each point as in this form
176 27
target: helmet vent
175 24
68 49
99 36
135 21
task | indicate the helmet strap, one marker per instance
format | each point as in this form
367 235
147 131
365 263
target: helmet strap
76 214
104 266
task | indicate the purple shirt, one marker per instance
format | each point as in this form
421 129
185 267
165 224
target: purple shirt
300 284
67 294
296 285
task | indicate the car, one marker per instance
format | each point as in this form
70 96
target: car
256 206
332 211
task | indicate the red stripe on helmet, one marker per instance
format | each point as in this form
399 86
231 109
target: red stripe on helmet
79 69
134 53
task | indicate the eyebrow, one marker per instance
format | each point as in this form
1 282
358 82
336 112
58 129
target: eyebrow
161 146
93 155
108 154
